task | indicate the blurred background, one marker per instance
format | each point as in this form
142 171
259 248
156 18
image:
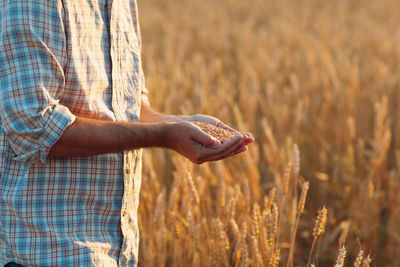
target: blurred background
317 83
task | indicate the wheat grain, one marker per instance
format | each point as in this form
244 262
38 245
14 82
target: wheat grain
219 133
320 223
319 229
303 197
274 262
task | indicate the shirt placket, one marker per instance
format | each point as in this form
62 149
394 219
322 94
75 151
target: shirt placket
116 46
115 51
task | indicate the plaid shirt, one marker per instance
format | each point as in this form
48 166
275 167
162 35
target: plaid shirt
60 59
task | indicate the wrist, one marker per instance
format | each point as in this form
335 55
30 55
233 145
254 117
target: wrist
165 133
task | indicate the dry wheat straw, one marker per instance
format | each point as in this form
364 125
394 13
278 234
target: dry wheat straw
345 225
256 255
303 197
320 223
231 208
272 225
341 257
300 209
247 194
245 256
286 178
256 218
274 262
235 229
296 161
193 188
159 210
268 201
359 259
326 110
367 261
238 253
319 229
223 243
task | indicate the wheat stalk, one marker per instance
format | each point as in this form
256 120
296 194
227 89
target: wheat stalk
319 229
341 256
300 209
193 188
367 261
256 218
270 199
359 259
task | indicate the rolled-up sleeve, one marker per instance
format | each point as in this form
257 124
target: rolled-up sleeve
32 59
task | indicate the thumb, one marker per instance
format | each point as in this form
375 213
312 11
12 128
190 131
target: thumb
205 139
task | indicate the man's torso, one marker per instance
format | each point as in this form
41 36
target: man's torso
78 210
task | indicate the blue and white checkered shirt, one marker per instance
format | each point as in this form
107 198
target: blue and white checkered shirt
60 59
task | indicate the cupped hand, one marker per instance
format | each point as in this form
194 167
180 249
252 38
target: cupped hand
216 122
199 147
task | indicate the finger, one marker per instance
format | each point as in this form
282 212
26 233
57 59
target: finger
248 134
239 150
205 139
224 153
227 154
248 138
233 141
227 147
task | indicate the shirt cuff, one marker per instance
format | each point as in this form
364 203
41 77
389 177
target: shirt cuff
55 122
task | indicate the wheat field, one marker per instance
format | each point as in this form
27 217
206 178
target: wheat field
317 83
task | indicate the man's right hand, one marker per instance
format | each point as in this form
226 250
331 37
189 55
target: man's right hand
190 141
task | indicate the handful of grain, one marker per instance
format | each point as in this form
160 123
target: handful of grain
220 133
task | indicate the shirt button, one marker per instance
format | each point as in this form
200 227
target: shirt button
124 214
128 171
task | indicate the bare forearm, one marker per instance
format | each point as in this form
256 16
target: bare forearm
90 137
